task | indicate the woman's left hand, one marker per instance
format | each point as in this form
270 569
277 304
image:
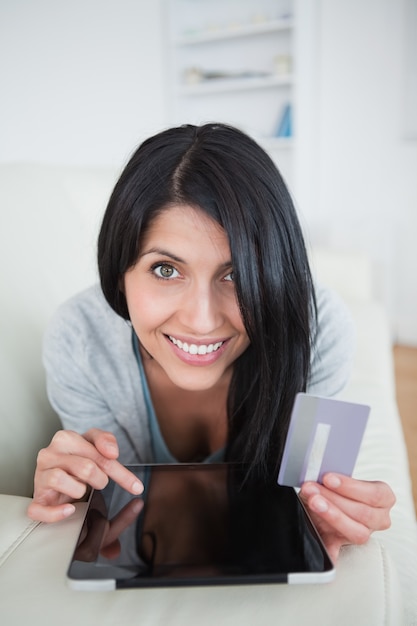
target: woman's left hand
346 510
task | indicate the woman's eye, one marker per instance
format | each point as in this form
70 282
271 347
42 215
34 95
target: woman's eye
165 271
229 277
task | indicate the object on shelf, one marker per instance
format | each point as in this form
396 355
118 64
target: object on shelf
283 64
284 128
195 75
259 18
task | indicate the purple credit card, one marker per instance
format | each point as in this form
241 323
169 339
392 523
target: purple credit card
324 435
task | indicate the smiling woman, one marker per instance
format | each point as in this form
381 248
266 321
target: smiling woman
204 328
243 222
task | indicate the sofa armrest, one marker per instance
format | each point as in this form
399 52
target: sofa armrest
14 525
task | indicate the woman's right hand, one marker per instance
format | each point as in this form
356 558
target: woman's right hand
69 465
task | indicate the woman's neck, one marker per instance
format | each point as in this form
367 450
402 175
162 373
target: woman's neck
193 423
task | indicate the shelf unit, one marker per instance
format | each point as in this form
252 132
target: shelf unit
233 61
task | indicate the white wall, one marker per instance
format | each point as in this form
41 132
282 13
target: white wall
367 189
82 81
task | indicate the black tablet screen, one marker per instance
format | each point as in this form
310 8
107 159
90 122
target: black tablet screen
198 524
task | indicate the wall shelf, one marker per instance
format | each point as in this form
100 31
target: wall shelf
235 84
245 30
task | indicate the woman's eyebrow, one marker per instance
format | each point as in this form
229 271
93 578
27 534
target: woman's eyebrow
174 257
162 252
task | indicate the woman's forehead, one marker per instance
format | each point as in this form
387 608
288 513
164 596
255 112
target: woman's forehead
186 218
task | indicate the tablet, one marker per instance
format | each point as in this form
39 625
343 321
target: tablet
197 524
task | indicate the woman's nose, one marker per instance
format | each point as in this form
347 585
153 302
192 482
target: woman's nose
201 310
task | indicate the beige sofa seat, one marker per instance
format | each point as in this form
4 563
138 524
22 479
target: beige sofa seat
33 588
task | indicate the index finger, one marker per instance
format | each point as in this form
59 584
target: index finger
121 475
113 468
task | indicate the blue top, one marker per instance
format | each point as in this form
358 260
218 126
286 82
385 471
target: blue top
161 452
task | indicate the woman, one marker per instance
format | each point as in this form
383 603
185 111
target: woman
205 327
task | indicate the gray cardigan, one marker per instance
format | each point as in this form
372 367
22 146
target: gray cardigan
93 378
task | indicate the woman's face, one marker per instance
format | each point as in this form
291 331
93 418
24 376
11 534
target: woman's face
182 301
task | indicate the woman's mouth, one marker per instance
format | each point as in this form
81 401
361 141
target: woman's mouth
192 348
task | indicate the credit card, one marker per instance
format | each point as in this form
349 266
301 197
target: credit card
324 435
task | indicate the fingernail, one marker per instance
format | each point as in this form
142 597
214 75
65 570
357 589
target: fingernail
137 487
333 481
319 505
309 489
68 510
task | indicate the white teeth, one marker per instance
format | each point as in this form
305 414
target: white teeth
192 348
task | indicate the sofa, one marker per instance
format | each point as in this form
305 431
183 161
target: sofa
50 217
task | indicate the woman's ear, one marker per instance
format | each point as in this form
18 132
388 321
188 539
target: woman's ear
121 284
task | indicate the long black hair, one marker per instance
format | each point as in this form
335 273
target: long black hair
224 172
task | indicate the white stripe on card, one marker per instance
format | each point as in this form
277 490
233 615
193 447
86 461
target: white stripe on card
318 449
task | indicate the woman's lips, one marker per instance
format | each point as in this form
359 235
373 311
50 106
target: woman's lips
193 348
197 354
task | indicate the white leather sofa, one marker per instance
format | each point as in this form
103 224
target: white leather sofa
49 222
